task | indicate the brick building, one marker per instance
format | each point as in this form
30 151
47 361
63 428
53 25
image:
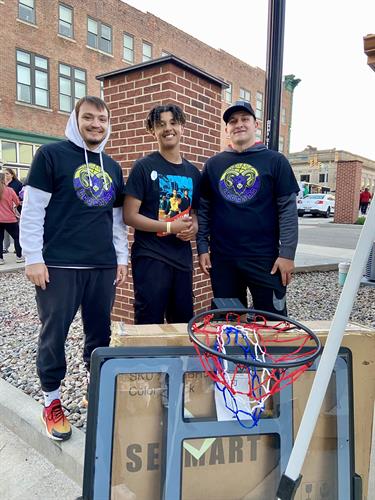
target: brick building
52 51
320 167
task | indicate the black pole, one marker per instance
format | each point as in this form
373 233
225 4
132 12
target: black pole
274 72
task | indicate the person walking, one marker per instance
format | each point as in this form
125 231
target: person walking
248 224
75 244
12 181
9 202
161 252
364 200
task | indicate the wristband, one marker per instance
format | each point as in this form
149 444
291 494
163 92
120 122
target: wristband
168 227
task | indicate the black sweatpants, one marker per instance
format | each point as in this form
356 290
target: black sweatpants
161 291
68 289
13 229
230 278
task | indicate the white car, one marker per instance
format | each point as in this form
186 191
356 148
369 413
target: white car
316 204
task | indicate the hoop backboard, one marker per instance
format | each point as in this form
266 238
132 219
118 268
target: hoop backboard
153 433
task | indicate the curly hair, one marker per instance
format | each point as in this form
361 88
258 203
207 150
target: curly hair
153 117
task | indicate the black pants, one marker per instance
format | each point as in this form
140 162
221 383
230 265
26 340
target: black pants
363 206
232 278
161 291
68 289
13 229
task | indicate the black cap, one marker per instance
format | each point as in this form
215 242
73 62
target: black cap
238 106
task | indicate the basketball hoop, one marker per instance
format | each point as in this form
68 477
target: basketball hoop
251 360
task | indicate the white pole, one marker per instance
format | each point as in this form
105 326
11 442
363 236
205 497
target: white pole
332 346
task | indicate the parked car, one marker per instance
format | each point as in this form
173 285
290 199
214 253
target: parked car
316 204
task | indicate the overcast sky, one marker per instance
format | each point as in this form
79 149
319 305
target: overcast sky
334 105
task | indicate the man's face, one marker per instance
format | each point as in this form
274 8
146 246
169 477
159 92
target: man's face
93 124
167 131
241 129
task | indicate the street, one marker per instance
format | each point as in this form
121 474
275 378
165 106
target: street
323 232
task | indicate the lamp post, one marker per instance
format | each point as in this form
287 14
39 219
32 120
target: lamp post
274 70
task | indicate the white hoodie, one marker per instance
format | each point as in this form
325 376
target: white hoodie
36 201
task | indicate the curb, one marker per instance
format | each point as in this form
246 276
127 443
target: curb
21 414
316 267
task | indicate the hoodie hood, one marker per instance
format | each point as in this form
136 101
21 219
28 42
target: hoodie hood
258 146
72 133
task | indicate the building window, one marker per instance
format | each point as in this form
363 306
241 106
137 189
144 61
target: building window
258 134
146 51
323 177
99 35
305 178
281 144
18 155
65 20
283 116
72 86
26 10
101 89
259 106
128 48
244 95
32 79
228 93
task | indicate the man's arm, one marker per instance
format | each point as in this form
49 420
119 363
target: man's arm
120 242
203 235
33 214
288 229
133 218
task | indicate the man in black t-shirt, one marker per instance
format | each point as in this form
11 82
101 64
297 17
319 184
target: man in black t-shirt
161 253
75 244
248 224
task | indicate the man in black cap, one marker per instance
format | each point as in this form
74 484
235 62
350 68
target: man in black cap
248 223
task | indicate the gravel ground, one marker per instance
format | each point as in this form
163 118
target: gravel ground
311 296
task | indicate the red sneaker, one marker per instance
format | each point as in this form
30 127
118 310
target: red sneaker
56 423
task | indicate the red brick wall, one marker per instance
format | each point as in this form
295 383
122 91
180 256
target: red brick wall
43 39
348 184
130 96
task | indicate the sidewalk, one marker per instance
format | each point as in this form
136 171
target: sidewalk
308 258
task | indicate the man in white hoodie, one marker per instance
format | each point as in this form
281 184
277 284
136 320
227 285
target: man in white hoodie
75 245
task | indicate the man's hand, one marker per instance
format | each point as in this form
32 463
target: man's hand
181 225
122 272
189 232
37 274
286 268
205 263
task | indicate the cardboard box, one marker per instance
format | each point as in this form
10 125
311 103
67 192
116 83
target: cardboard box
216 472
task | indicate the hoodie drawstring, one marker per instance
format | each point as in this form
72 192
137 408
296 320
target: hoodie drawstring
87 166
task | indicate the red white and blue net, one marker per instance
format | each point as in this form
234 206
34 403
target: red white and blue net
268 356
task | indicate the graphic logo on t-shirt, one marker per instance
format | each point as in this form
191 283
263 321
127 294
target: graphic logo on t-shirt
239 183
101 191
175 196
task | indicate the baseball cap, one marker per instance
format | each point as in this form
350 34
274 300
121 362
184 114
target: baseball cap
238 106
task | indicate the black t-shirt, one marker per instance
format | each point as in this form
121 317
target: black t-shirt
242 189
168 191
78 226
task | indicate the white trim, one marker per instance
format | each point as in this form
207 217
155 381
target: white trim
27 23
100 51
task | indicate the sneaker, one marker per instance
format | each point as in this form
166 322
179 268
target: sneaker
2 261
56 423
20 259
5 250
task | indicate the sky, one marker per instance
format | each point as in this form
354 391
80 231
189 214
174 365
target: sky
334 105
